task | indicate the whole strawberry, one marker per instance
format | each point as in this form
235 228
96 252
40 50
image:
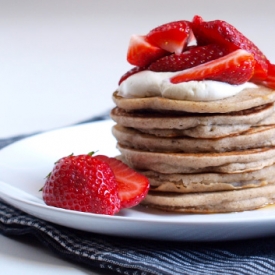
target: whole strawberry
83 183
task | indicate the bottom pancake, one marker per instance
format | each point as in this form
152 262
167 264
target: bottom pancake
212 202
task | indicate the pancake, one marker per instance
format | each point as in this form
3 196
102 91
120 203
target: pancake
255 137
226 162
195 125
183 120
211 131
201 157
246 99
212 202
209 182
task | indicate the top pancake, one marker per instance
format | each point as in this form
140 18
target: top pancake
246 99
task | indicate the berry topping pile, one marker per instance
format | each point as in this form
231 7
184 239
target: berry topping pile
95 184
200 50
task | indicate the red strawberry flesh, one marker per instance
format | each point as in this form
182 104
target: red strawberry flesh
234 68
222 33
141 53
131 72
132 186
192 57
172 37
270 80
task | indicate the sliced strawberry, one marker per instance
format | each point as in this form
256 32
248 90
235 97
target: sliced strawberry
270 80
221 32
141 53
195 56
235 68
131 72
132 186
192 41
172 37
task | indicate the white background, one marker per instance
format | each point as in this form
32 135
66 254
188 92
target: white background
61 60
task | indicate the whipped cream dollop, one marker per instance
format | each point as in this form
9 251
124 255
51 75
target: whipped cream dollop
149 84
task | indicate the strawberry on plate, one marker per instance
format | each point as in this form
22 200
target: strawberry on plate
172 37
234 68
82 183
95 184
141 53
222 33
191 57
132 186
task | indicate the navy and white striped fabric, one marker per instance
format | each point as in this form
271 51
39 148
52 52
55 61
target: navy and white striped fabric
141 257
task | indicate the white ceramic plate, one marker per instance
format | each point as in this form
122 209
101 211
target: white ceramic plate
24 165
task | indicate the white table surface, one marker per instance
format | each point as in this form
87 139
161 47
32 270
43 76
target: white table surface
60 61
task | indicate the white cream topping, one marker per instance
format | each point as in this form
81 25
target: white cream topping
148 84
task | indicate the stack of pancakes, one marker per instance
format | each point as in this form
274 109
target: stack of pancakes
201 157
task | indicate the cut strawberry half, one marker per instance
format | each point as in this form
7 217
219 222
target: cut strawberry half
235 68
192 41
131 72
221 32
172 37
270 80
132 186
192 57
141 53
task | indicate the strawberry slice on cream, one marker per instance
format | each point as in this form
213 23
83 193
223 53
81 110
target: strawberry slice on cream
235 68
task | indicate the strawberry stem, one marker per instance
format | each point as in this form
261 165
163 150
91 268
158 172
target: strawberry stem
92 153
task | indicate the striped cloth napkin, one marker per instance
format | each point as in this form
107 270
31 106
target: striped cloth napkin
141 257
